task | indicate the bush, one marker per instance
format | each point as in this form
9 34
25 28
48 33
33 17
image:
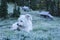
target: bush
3 9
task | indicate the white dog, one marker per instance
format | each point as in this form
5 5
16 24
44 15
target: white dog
24 23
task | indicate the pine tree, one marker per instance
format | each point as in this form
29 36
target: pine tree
16 11
3 9
58 13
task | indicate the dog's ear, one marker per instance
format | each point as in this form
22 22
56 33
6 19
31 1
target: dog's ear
28 16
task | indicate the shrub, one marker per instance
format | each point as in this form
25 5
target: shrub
3 9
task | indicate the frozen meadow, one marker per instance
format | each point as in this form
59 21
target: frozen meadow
43 29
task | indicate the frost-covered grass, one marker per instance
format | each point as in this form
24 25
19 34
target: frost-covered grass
43 29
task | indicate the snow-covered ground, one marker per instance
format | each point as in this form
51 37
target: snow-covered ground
43 29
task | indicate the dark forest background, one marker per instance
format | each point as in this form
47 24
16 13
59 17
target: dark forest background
53 6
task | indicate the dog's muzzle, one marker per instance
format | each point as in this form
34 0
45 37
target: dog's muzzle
19 25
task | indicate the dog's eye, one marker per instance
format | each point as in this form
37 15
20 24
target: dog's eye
21 21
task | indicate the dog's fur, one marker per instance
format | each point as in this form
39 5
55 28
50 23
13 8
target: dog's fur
24 23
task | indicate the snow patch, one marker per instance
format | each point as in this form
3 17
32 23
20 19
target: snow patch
10 8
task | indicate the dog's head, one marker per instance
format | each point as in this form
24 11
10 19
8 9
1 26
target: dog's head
23 20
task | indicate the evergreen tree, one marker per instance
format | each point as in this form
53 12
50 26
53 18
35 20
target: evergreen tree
47 4
3 9
16 11
58 11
